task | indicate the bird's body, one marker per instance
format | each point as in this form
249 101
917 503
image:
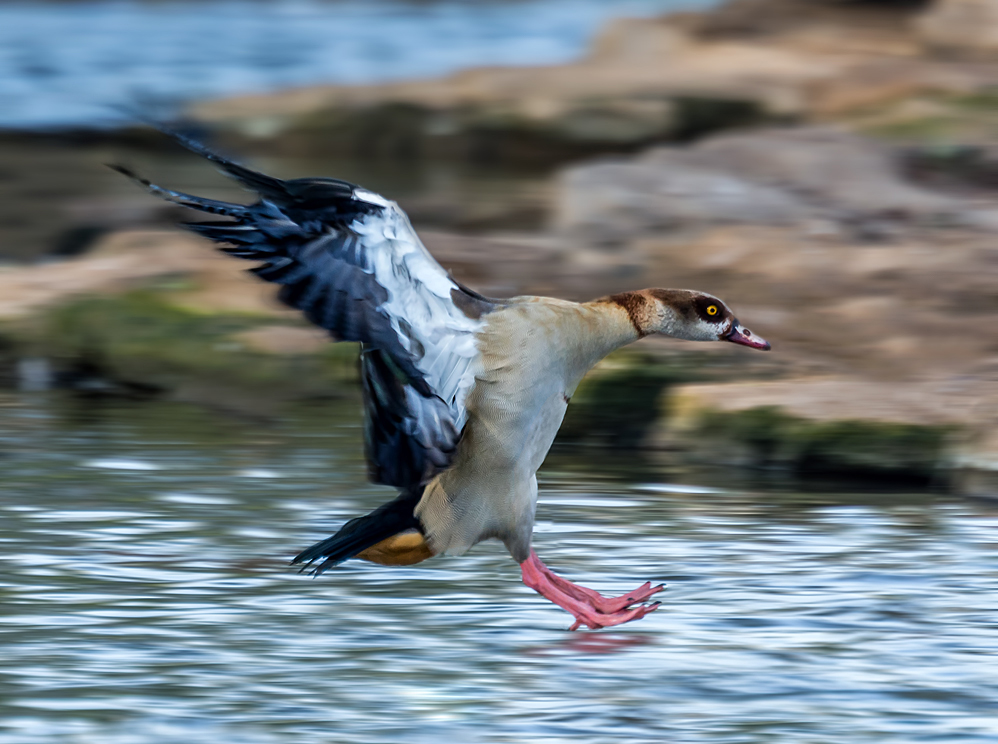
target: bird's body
463 394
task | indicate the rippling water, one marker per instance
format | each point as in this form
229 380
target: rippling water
145 597
74 63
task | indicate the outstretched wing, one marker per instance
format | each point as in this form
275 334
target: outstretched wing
351 262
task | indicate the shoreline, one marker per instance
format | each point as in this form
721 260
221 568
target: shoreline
674 78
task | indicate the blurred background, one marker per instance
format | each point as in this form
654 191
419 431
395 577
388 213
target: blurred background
823 515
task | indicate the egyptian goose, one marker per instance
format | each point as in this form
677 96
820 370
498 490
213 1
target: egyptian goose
463 394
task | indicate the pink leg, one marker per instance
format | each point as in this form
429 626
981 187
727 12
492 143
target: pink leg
606 605
576 599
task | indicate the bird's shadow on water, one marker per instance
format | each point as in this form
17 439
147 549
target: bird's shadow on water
591 643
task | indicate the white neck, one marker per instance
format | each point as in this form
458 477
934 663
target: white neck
599 329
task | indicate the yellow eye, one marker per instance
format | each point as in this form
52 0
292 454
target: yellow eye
712 310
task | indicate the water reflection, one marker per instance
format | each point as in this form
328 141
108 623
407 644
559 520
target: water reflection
146 596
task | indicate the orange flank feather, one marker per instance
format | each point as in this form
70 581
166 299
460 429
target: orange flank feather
403 549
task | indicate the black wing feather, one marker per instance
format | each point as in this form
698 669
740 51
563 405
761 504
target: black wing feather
300 232
305 259
403 445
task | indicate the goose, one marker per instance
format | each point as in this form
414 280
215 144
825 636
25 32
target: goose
463 394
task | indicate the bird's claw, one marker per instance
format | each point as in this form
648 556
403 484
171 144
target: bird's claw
589 607
612 605
596 621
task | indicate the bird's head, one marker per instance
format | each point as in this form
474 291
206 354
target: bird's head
686 314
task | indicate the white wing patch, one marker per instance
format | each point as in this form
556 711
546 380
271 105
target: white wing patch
420 308
370 197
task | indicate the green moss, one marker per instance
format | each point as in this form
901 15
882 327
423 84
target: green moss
497 133
766 431
142 339
699 116
946 119
928 128
390 130
617 404
983 100
850 448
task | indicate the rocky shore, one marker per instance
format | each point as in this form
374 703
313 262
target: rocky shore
832 173
645 81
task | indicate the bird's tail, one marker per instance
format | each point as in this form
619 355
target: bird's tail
361 533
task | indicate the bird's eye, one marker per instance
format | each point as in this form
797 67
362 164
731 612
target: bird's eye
712 310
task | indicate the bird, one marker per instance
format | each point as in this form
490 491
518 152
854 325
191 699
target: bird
463 394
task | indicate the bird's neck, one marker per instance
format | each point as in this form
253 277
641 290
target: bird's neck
601 328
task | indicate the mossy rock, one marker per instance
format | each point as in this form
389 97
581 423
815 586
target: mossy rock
935 120
769 437
938 128
141 341
616 405
498 133
985 100
699 116
386 131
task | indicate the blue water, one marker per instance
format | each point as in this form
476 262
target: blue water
145 598
65 64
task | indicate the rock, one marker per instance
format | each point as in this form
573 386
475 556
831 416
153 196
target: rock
848 23
142 343
976 466
644 81
985 220
838 170
824 399
955 167
608 121
820 427
610 202
157 312
673 78
536 128
283 340
778 176
615 404
120 261
960 28
208 281
639 41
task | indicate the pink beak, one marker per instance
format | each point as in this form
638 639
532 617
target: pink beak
739 334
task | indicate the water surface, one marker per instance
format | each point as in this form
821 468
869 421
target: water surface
145 596
76 63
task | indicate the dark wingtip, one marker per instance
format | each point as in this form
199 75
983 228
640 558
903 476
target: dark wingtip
126 172
136 178
310 555
306 565
302 566
174 132
211 206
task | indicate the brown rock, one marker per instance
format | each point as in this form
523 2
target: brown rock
665 190
641 41
770 177
961 28
829 399
283 340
